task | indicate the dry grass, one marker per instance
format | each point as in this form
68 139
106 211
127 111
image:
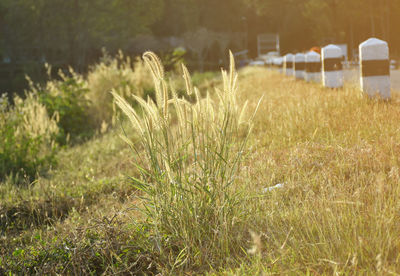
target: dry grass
120 74
189 160
86 173
27 136
336 153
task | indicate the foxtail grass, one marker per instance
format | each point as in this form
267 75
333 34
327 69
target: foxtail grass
192 152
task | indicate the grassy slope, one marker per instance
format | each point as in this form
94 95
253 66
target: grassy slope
338 154
336 151
90 178
84 173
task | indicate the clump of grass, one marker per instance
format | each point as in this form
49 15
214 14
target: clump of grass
121 74
192 152
84 104
27 136
67 96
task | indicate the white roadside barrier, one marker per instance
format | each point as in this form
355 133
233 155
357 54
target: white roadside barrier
299 66
269 63
332 71
275 63
288 64
375 68
313 67
257 63
279 61
374 64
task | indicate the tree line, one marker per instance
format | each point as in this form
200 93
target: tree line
75 31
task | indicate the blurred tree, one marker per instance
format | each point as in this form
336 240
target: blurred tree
181 16
73 32
177 17
59 29
303 23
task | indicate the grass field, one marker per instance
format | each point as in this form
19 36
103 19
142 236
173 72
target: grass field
335 152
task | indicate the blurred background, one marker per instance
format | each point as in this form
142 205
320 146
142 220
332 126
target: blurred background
77 33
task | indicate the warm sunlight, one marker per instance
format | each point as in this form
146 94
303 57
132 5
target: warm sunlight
199 137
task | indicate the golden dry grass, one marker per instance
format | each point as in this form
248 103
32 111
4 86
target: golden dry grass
189 158
121 74
337 153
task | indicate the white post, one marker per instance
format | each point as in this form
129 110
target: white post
375 68
313 67
275 63
288 64
332 71
299 66
269 63
280 64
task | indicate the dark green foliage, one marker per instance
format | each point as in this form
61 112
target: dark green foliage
173 59
71 105
199 79
127 250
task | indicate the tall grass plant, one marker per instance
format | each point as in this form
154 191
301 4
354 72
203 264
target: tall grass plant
192 153
120 74
27 135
